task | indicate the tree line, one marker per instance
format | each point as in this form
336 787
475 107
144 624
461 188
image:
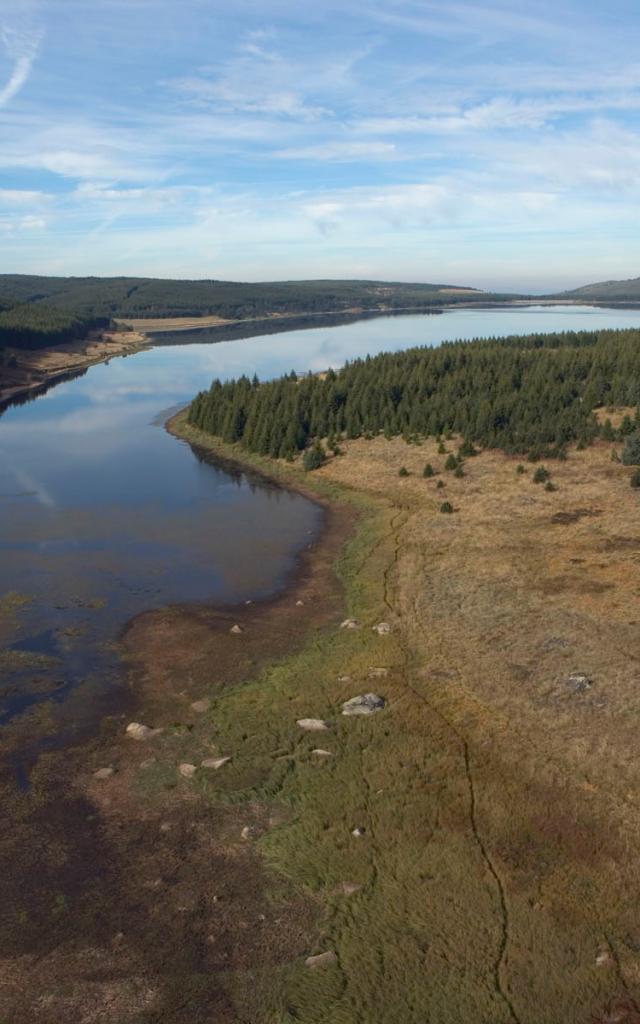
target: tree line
38 326
122 297
525 395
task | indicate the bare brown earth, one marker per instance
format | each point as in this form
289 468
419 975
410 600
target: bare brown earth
36 369
495 881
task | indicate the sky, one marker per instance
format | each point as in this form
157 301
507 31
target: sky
494 145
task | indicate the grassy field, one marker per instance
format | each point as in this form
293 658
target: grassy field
494 879
498 789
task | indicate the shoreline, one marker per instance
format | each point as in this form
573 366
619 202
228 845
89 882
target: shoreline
51 366
55 365
144 817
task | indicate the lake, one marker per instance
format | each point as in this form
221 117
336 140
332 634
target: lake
104 515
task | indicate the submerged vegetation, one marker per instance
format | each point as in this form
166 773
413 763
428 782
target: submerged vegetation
531 394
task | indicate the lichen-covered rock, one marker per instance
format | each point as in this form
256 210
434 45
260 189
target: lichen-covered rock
364 704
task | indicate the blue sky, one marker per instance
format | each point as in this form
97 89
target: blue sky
489 144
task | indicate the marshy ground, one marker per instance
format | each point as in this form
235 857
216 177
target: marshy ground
495 880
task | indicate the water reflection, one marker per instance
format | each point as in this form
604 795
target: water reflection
103 514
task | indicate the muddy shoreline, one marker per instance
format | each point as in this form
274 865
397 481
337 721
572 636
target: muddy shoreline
130 897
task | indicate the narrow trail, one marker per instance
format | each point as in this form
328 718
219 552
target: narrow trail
398 521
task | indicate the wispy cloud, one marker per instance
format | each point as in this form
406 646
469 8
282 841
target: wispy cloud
411 138
21 46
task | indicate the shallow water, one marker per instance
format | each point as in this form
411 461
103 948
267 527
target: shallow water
104 515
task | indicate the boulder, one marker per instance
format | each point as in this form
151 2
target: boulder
201 705
137 731
313 724
348 888
319 752
578 682
321 959
299 604
104 773
215 762
364 704
236 629
378 673
358 832
350 624
187 771
382 628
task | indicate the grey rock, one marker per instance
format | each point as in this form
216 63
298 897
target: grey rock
378 673
187 771
319 752
321 959
350 624
236 629
358 832
578 682
382 628
104 773
215 762
137 731
313 724
364 704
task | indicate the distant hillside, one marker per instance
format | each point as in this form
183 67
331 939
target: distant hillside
33 308
140 297
607 291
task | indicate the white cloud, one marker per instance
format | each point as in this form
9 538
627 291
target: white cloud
21 46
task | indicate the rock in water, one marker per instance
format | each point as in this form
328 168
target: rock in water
187 771
137 731
215 762
313 724
321 959
365 704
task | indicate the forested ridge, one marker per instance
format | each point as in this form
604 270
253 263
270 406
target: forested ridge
33 307
33 327
530 394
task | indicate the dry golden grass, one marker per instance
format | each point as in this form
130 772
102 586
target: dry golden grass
499 604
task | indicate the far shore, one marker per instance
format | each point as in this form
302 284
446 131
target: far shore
37 370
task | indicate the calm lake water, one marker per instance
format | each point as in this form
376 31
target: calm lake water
104 515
